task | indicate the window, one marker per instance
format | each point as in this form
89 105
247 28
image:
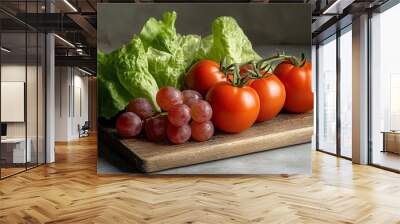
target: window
327 95
22 78
346 92
385 89
334 94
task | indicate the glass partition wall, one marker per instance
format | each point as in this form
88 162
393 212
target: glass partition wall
345 92
22 77
326 56
334 93
385 89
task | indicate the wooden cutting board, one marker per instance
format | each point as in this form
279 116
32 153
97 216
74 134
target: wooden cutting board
284 130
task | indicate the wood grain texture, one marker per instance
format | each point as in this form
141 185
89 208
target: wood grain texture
284 130
70 191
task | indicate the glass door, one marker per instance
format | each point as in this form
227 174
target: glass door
22 98
334 94
345 93
35 90
385 89
14 153
326 85
32 98
41 97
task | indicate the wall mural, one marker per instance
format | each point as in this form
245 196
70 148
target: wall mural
204 88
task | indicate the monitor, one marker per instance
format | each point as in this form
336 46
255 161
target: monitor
3 129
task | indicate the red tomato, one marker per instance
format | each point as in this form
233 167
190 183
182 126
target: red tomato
203 75
297 81
272 96
234 108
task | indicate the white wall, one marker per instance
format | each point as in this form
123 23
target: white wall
16 73
62 82
33 126
70 83
12 73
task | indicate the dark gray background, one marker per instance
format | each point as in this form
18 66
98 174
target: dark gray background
270 27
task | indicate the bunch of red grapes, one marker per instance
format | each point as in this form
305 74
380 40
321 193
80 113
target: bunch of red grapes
187 115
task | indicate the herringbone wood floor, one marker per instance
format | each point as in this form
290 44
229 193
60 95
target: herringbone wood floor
70 191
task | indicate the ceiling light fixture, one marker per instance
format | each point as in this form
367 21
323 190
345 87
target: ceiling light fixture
70 5
337 7
329 9
5 50
84 71
65 41
79 51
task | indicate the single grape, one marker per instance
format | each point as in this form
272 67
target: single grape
141 107
179 115
128 125
202 131
156 128
178 135
201 111
167 97
191 96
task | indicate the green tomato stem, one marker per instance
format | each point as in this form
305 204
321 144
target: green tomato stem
259 69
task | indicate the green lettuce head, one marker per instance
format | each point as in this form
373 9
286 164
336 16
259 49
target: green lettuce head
158 56
227 40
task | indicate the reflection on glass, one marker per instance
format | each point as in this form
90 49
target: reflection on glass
41 98
31 97
15 150
346 94
22 91
385 115
327 96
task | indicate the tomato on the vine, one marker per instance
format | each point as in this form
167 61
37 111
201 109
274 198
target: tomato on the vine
298 84
203 75
272 96
235 108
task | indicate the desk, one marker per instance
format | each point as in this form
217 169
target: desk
391 141
13 150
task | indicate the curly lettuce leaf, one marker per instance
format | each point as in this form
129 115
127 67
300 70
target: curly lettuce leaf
169 54
123 75
227 40
112 96
132 71
204 49
167 69
190 45
160 34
